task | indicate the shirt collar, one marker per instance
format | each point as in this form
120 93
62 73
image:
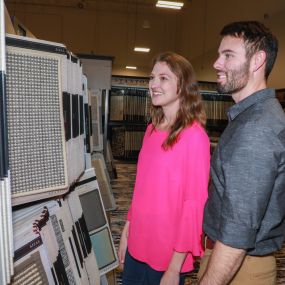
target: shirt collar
254 98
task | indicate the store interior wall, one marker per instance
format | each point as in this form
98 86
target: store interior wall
114 27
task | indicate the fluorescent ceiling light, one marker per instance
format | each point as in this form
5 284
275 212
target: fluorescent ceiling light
169 4
131 67
141 49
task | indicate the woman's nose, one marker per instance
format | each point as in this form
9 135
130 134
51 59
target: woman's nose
153 83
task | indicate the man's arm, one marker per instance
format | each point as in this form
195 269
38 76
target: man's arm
223 264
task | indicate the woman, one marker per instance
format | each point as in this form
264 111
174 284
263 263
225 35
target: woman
162 234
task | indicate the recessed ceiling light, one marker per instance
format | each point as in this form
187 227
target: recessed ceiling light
146 24
141 49
169 4
131 67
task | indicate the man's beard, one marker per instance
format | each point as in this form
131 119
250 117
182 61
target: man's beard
236 80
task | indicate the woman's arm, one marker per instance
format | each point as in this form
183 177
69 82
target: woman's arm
172 274
123 243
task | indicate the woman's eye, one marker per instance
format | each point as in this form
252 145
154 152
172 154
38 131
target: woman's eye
163 78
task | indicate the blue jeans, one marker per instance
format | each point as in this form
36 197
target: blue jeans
139 273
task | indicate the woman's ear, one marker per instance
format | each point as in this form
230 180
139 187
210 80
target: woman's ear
178 90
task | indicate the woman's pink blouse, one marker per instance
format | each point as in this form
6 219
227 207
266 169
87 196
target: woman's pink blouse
170 193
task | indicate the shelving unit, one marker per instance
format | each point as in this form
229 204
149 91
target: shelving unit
216 106
129 113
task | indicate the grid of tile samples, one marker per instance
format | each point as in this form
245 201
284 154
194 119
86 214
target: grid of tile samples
44 109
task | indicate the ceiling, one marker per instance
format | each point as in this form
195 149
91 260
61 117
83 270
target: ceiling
115 26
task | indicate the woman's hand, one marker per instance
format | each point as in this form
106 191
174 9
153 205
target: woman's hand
172 275
123 244
170 278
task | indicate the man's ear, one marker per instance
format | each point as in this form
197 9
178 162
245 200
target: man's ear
258 60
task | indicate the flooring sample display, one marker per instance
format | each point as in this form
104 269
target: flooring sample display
46 145
87 189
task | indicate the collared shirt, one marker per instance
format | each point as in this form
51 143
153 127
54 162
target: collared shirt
246 204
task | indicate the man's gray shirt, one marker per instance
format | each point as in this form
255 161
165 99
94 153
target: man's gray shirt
246 204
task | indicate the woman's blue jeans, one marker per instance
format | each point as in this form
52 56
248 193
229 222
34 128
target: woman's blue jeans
139 273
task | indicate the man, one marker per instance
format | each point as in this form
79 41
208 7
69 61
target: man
244 218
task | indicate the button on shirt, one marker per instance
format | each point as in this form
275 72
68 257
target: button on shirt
246 204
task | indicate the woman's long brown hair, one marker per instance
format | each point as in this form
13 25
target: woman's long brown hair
191 108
